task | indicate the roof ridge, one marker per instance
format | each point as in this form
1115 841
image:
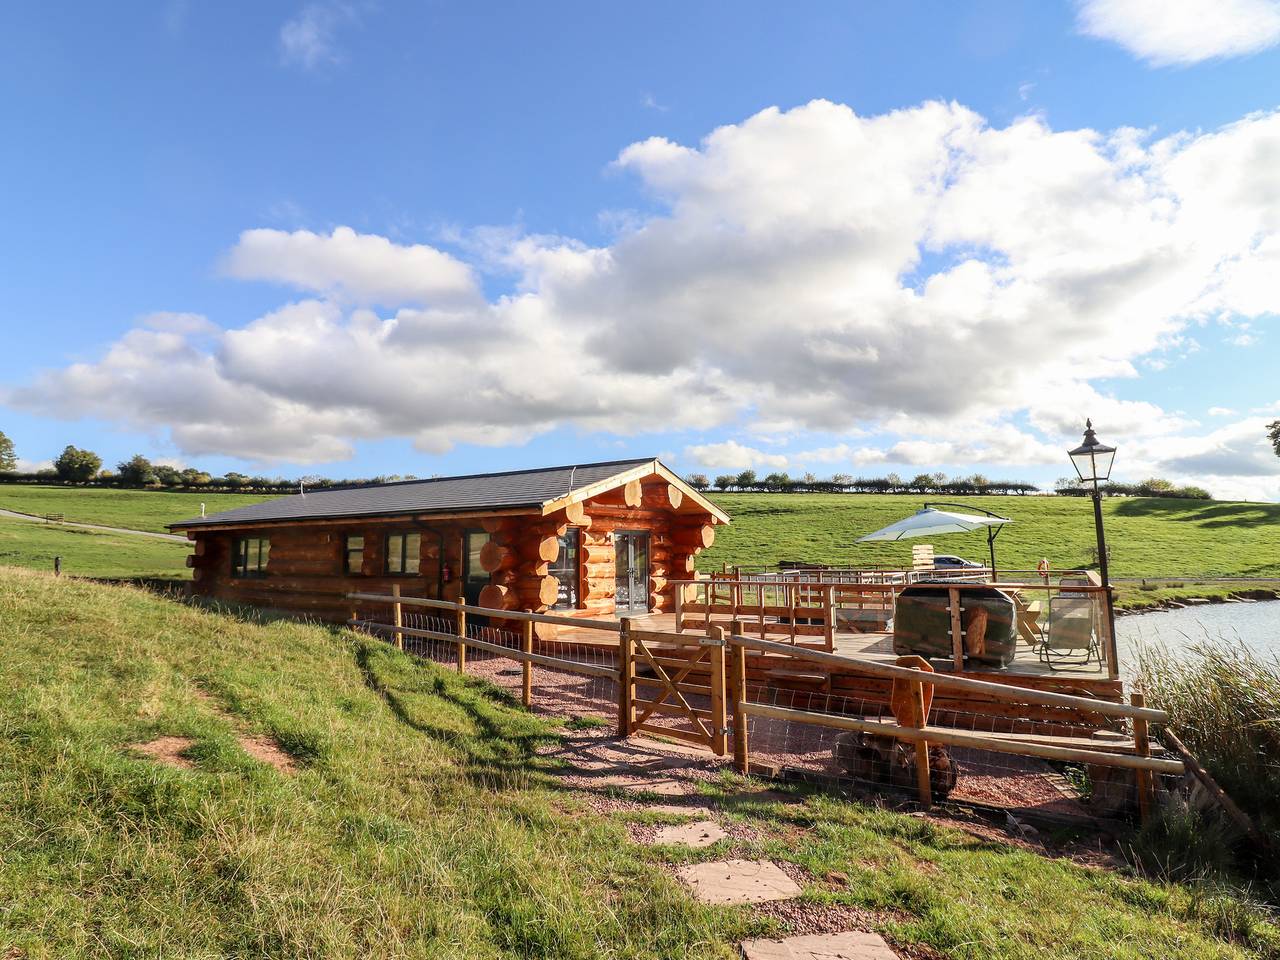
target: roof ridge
478 476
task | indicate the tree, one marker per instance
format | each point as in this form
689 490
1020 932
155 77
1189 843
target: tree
77 465
724 481
168 476
8 460
191 477
698 481
746 480
136 472
1273 434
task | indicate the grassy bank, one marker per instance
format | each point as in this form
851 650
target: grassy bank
423 823
1224 703
90 553
1148 537
131 509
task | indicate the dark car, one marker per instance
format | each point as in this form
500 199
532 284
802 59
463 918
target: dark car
947 560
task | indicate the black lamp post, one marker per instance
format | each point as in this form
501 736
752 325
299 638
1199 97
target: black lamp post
1092 460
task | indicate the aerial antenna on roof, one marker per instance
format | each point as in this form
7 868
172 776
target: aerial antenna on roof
572 471
202 509
301 490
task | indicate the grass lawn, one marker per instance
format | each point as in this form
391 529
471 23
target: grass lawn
1147 537
89 553
422 823
131 509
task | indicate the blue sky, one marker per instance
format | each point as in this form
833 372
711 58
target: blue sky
547 169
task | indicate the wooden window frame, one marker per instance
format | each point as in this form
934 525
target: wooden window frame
576 533
404 553
240 569
347 550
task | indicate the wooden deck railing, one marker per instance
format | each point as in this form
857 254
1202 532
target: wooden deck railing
808 613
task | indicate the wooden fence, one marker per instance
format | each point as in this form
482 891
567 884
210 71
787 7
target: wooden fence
698 685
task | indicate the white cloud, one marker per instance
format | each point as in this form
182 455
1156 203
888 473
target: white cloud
1165 32
919 273
1235 461
1221 412
352 266
23 465
187 324
731 455
309 38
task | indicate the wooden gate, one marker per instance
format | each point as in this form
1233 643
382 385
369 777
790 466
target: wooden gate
679 678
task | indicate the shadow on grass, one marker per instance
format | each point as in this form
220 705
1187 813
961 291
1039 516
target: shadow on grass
1202 513
502 753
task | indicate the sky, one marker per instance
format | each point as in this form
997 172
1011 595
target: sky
350 239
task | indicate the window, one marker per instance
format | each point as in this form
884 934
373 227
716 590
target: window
403 553
249 557
474 576
353 555
565 569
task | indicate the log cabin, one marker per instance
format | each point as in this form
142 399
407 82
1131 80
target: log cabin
593 540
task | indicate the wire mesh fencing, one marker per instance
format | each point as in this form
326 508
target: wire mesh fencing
974 757
589 698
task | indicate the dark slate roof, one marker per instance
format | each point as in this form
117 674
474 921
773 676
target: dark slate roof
481 491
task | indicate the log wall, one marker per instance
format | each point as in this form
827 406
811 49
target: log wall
305 569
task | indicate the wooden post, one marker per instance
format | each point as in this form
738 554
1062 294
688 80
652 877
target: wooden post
462 640
738 694
397 615
626 679
1109 621
829 631
1142 748
718 722
527 688
679 608
957 631
923 784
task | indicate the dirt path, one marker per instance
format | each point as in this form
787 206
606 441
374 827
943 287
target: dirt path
172 538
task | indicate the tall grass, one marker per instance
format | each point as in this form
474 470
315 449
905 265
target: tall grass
1223 701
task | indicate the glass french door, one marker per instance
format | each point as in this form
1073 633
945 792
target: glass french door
631 559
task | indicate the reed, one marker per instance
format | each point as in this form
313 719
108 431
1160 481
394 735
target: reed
1223 701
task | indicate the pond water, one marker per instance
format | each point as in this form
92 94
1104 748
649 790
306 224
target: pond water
1256 625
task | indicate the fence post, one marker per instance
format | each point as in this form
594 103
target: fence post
718 723
957 632
923 784
1142 748
462 639
829 631
679 608
527 687
626 679
737 688
738 691
397 616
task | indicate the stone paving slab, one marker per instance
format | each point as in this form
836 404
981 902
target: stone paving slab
738 881
703 833
676 810
661 786
829 946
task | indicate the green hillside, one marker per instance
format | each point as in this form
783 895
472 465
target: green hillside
133 509
421 820
1147 537
90 553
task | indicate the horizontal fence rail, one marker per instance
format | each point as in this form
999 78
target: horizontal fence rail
696 688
